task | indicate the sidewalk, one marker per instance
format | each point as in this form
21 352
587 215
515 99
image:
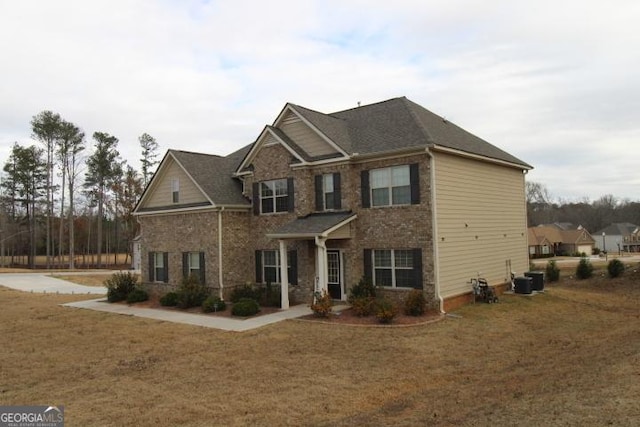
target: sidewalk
45 283
223 323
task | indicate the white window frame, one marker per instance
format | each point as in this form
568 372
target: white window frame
393 267
175 190
276 266
388 179
193 263
274 187
158 264
328 184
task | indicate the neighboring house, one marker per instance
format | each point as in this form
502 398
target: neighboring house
617 237
559 239
389 191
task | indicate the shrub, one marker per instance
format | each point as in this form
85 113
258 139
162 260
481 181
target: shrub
415 304
584 270
120 285
552 271
170 299
362 306
363 289
270 296
191 292
245 307
615 268
137 295
213 304
386 310
247 291
323 304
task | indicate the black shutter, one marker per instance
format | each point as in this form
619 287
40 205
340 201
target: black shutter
337 193
290 194
152 267
414 179
364 189
256 198
368 266
165 259
319 193
417 268
202 270
258 255
293 267
185 264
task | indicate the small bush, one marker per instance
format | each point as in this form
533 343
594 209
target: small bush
552 271
170 299
213 304
363 289
615 268
247 291
323 304
584 270
191 292
245 307
362 306
415 304
386 310
270 296
137 295
120 285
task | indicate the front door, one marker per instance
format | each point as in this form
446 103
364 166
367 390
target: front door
334 274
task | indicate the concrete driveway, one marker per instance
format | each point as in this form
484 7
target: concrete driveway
45 283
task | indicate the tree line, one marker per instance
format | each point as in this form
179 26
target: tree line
56 200
592 215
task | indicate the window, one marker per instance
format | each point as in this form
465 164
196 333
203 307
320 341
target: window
273 196
158 267
175 190
328 195
396 185
193 263
394 268
268 266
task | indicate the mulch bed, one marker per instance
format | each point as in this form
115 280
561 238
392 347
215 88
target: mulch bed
348 317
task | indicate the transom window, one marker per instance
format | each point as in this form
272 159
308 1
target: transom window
393 268
274 196
391 186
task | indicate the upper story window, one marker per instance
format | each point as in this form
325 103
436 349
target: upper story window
175 190
396 185
328 194
273 196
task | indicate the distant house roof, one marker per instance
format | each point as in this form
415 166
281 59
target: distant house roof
538 235
618 229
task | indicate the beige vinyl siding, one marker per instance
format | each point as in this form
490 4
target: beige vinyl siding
481 222
305 137
161 194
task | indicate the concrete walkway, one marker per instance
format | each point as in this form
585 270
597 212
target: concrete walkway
208 321
45 283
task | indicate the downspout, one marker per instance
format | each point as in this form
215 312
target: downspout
434 232
220 252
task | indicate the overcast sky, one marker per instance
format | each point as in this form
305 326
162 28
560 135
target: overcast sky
555 83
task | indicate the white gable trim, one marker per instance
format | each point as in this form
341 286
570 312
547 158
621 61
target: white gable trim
158 175
435 147
328 140
260 142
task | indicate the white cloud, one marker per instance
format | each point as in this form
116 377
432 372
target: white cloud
554 83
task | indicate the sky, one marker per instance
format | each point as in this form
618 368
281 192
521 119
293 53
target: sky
555 83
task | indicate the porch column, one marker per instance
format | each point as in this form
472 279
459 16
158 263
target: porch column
322 264
284 276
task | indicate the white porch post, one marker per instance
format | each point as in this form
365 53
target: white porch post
284 276
322 264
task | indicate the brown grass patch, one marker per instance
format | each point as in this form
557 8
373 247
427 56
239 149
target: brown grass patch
84 279
570 356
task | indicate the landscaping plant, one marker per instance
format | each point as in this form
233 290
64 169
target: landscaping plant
245 307
362 298
552 271
120 285
323 304
415 304
191 292
615 268
386 310
584 270
213 304
170 299
137 295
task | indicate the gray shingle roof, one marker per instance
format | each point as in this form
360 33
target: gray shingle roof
312 225
618 229
214 174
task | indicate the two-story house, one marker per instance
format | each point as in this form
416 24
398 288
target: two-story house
389 191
